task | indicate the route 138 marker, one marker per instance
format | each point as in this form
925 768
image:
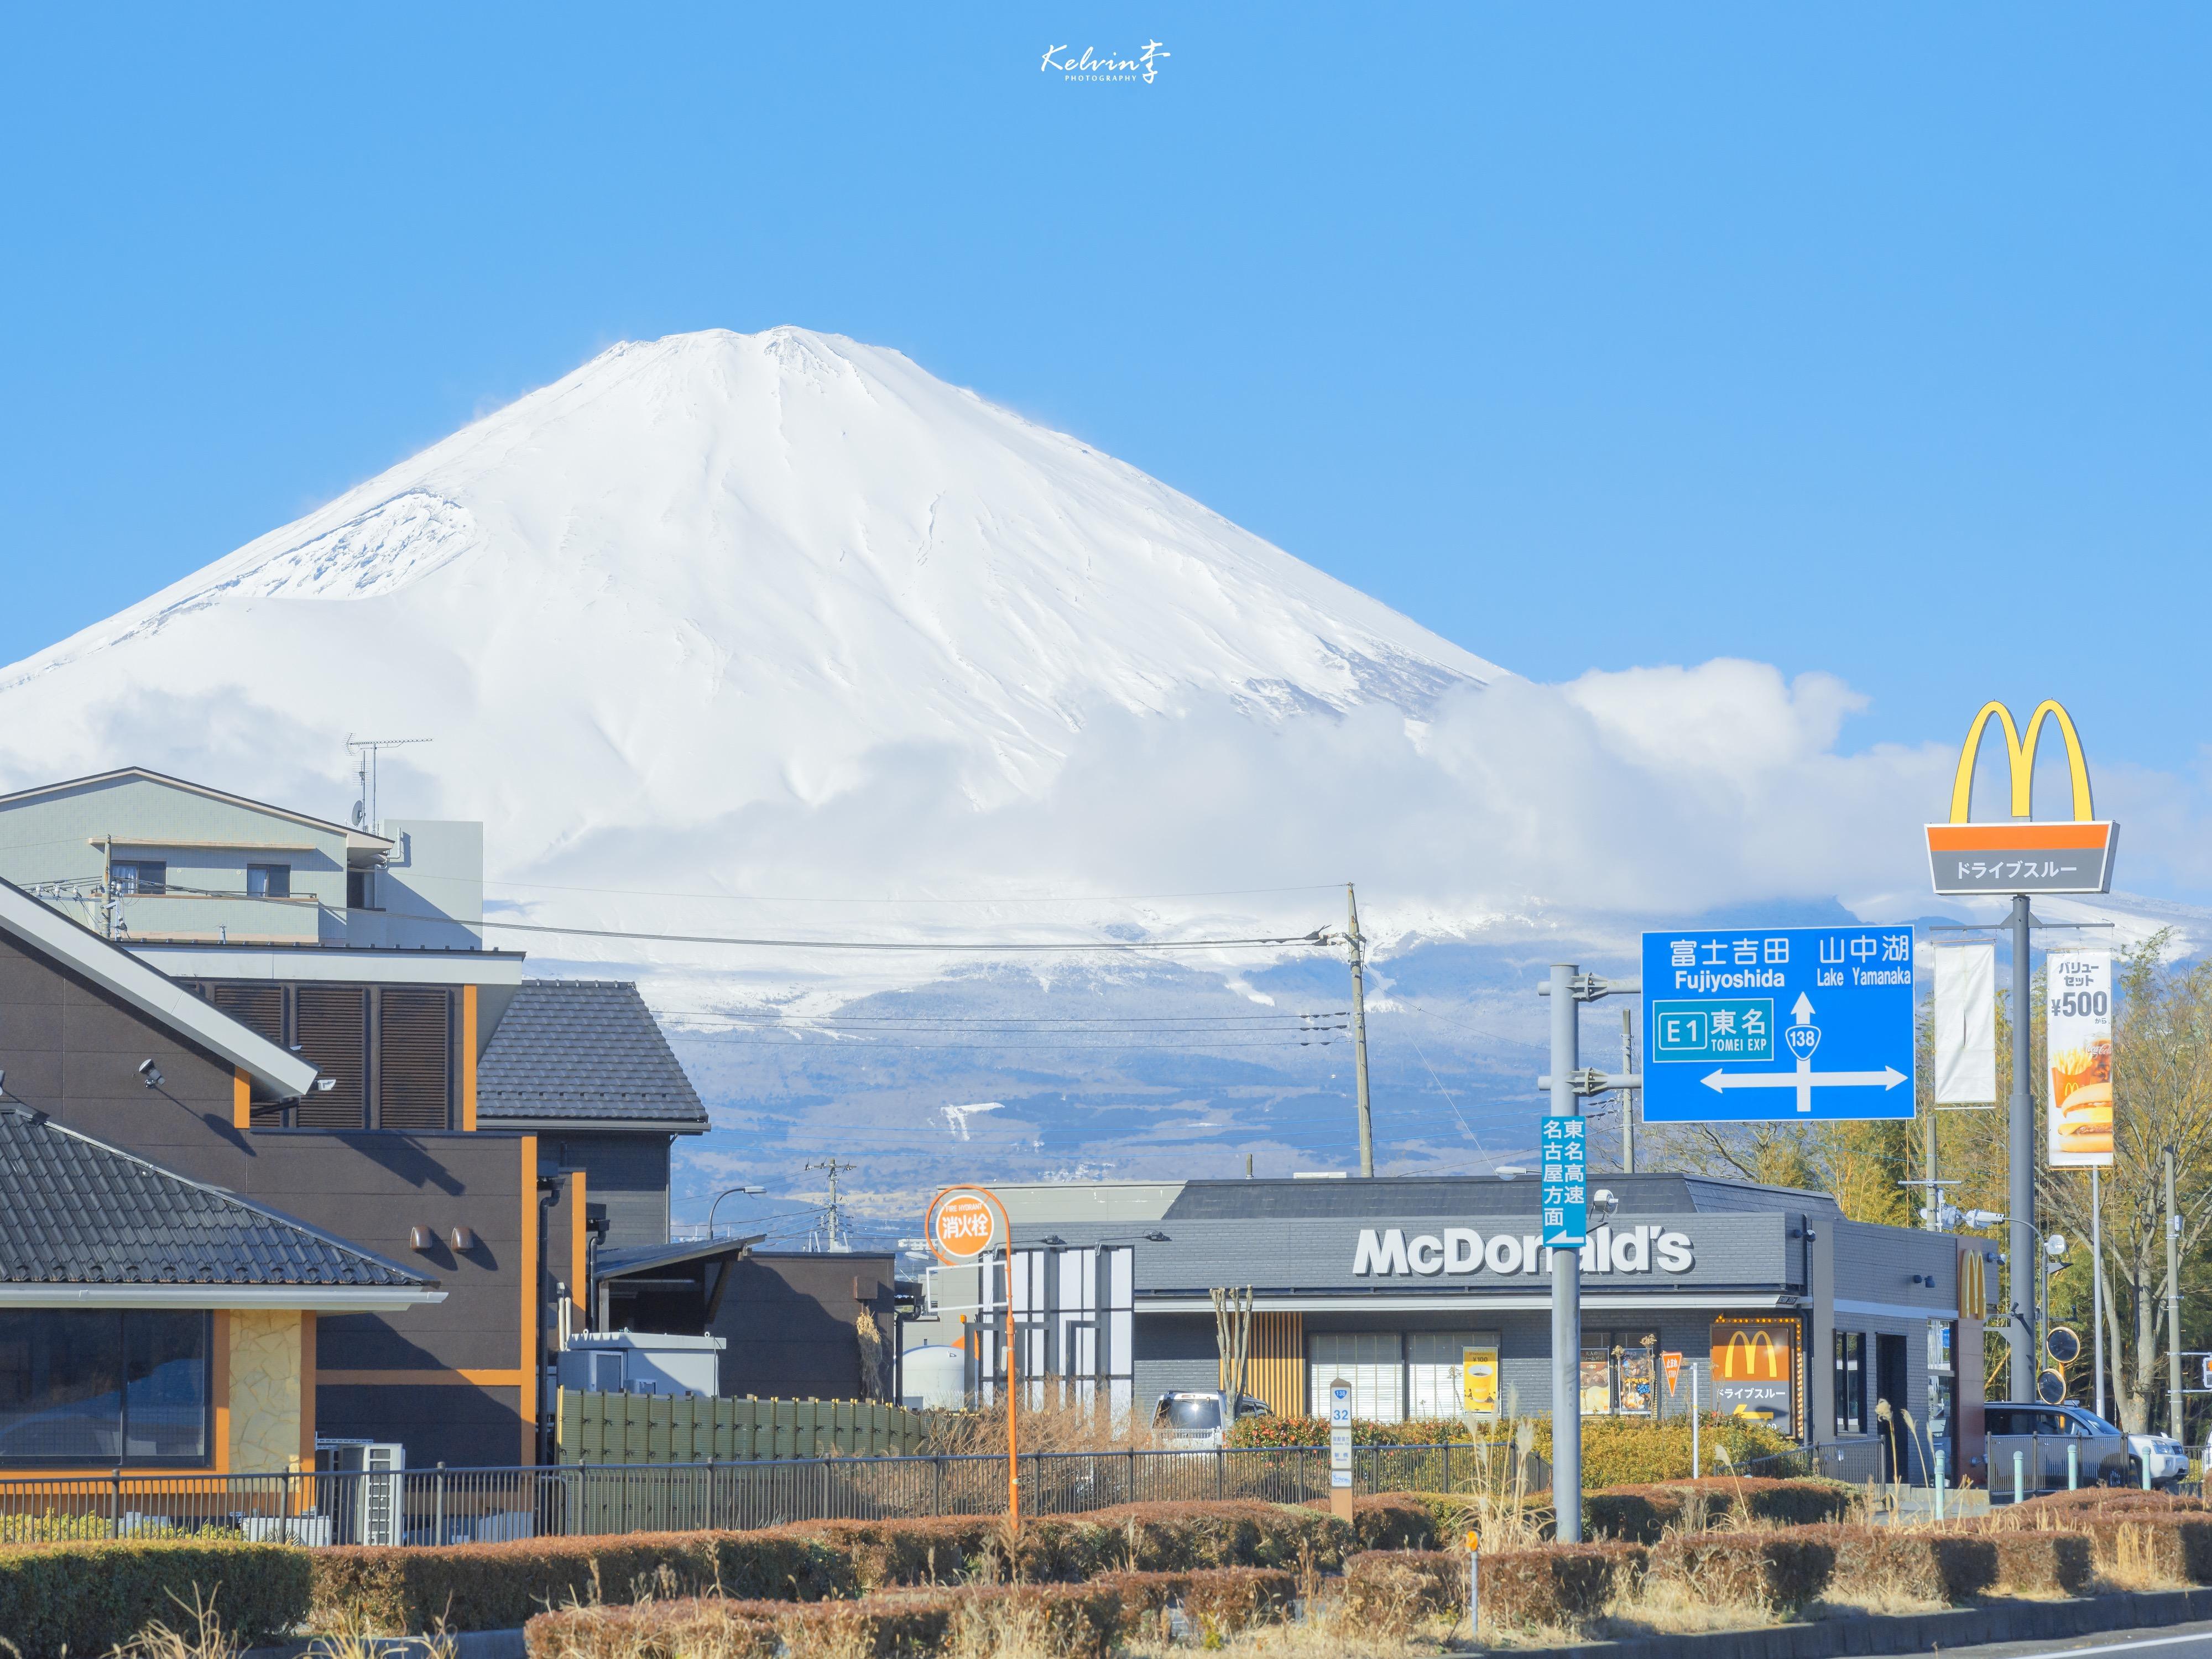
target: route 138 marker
1778 1024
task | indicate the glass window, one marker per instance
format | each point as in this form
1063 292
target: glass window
84 1386
165 1390
1443 1366
1618 1373
1851 1382
139 876
1372 1361
268 881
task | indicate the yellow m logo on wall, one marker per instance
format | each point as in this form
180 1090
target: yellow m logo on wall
2019 752
1751 1345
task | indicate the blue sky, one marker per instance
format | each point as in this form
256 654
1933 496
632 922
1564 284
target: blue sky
1869 340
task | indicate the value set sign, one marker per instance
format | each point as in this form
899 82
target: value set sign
1778 1024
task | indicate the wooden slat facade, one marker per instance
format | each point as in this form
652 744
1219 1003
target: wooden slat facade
1276 1363
414 1059
332 1023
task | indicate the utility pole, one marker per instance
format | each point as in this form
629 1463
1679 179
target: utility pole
1359 1029
2172 1304
1627 1097
837 1246
2025 1239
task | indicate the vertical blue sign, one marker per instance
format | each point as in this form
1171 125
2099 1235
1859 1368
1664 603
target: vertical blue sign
1563 1142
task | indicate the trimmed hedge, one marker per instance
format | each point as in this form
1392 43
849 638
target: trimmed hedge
1558 1586
2044 1563
1772 1569
2177 1546
1389 1586
87 1597
1393 1520
1950 1567
1640 1514
2102 1498
498 1586
400 1592
1080 1620
1217 1601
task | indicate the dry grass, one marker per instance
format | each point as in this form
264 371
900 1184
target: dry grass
1669 1607
1055 1426
2134 1566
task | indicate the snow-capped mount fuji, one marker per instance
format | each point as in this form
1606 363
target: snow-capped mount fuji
706 574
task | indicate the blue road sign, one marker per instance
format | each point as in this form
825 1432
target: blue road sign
1565 1144
1778 1024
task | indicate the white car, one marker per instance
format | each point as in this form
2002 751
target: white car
2166 1459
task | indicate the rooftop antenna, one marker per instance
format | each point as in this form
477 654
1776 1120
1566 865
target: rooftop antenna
364 809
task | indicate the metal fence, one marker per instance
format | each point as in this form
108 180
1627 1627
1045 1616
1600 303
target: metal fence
450 1506
457 1506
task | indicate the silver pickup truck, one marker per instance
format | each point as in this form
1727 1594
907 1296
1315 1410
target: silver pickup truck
2043 1437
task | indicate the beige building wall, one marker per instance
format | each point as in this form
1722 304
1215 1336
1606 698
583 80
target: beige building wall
267 1387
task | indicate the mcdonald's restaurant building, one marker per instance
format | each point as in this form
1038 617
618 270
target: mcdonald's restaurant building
1432 1296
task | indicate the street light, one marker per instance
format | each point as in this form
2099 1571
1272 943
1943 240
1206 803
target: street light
717 1203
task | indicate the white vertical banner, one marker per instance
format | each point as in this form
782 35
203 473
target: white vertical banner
1967 1025
2078 1033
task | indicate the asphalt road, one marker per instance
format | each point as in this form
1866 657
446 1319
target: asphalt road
2166 1642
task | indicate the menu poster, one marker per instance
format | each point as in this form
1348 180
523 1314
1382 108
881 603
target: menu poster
2078 1032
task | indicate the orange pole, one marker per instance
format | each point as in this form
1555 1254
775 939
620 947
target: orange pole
1013 1460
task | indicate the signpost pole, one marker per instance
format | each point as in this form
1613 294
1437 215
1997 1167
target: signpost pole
2097 1284
2021 1138
1013 1454
2175 1425
1566 1284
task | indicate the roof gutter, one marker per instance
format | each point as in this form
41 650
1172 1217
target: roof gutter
298 1298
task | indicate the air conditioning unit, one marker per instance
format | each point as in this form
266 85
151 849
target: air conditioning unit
368 1497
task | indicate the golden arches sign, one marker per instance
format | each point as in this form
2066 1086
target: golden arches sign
2021 855
2020 753
1751 1344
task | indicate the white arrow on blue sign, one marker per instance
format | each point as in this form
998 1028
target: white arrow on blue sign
1778 1024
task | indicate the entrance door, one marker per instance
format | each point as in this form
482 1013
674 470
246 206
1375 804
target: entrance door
1889 1385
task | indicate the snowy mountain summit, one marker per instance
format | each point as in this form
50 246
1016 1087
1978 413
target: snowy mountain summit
704 575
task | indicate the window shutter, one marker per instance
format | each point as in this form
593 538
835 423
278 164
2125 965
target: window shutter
259 1008
414 1041
333 1029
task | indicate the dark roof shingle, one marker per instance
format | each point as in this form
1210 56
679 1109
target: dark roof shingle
76 1211
583 1051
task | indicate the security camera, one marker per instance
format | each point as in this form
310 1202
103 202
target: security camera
150 1073
1604 1202
324 1085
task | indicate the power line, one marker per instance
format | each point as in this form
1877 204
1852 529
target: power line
1070 1021
1311 941
1041 898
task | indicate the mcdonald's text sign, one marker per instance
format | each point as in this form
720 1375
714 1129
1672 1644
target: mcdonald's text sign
2021 855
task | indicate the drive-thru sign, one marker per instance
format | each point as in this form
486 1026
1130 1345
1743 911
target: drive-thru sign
1787 1024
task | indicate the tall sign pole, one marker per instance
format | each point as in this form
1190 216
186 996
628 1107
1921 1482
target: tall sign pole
964 1225
1565 1133
2019 857
2025 1249
1564 1144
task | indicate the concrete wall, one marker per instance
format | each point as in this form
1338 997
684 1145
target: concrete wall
788 1320
436 870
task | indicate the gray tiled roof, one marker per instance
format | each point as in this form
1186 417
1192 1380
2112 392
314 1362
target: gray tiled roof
583 1051
76 1211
